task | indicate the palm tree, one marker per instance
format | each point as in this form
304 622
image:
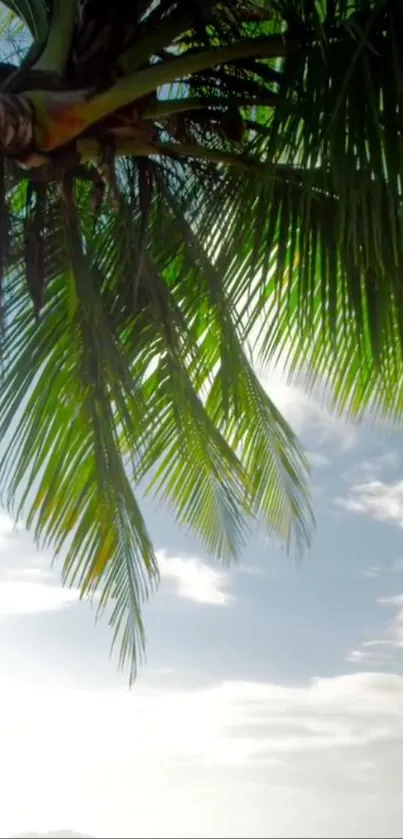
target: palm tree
176 180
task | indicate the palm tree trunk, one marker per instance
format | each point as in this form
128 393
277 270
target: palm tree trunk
16 126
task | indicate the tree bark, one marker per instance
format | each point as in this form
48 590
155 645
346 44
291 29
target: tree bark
16 125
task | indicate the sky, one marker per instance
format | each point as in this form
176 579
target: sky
271 703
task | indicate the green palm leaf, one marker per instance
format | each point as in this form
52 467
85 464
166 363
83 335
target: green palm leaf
133 375
252 155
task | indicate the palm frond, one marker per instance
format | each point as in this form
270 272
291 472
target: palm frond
252 150
130 372
69 394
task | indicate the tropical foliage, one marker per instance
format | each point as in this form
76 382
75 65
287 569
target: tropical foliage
178 179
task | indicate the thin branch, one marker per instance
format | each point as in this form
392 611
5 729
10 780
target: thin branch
58 44
163 36
168 107
90 149
139 84
60 119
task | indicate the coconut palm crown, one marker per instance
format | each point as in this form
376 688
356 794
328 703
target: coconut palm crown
177 180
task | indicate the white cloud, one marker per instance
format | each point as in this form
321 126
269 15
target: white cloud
356 656
375 499
27 598
375 571
233 759
195 579
304 408
372 572
397 566
318 460
394 630
250 570
305 412
236 721
395 600
7 525
382 650
371 469
28 585
390 459
371 654
53 834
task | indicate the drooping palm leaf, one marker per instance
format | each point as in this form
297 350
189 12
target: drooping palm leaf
111 388
179 178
